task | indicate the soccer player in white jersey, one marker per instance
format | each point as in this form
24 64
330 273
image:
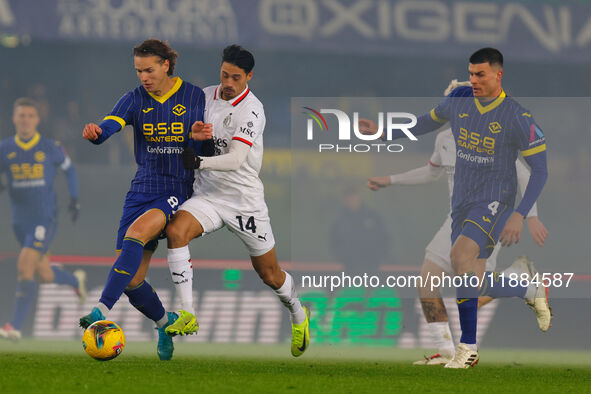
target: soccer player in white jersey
437 260
228 192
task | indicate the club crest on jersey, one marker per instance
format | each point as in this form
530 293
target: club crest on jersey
228 120
494 127
179 109
39 156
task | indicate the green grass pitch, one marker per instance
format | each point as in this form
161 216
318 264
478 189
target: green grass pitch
62 366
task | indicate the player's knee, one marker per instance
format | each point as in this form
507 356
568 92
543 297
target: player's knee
177 235
45 277
459 260
25 273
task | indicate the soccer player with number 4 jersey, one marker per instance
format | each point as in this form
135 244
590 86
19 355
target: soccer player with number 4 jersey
228 192
489 129
161 112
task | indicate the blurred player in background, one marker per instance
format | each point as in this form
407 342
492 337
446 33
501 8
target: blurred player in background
437 254
31 162
228 192
161 112
489 129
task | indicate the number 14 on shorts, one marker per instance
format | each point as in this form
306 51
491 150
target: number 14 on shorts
250 225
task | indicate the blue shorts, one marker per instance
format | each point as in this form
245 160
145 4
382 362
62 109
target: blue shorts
136 204
36 235
482 223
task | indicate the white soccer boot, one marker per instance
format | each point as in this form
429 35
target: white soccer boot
464 357
539 304
436 359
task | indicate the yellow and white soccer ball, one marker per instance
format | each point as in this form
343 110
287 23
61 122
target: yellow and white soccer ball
103 340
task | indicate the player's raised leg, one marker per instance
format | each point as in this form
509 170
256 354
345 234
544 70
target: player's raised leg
282 283
48 273
537 300
181 230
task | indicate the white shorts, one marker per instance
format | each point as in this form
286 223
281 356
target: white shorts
439 249
254 228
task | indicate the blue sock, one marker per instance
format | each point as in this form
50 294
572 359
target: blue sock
144 298
62 277
123 271
498 287
467 300
26 291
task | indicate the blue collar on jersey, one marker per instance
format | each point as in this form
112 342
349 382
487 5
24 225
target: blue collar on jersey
492 105
26 145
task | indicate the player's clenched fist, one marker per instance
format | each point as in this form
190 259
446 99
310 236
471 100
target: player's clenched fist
201 131
376 183
91 132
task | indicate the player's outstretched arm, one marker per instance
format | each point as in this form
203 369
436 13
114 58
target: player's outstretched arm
417 176
425 124
230 161
536 228
97 134
378 182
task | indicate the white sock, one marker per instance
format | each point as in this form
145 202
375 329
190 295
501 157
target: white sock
288 296
162 322
441 335
103 308
531 289
471 346
181 270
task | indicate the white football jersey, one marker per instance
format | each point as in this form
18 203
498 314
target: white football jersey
444 155
242 119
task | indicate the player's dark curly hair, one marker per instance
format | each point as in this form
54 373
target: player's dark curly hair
155 47
238 56
491 56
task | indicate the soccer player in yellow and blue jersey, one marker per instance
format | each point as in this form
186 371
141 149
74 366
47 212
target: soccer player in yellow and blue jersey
30 162
490 128
161 111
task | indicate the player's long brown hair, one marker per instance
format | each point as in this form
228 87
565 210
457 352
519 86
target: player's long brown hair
155 47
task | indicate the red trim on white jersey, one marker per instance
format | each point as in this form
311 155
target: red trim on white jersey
242 140
215 94
433 164
241 97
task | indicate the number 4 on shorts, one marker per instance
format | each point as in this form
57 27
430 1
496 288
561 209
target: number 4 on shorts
493 206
